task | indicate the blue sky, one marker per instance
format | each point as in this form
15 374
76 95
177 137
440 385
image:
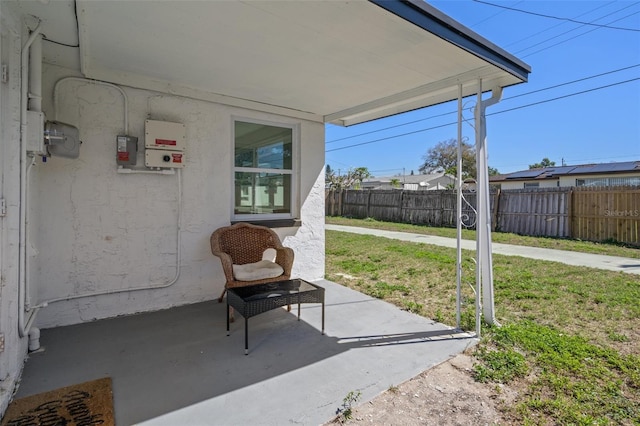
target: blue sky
602 125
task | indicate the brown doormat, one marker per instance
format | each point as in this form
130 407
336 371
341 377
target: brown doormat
85 404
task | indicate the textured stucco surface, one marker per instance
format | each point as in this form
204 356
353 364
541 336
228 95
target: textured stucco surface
12 357
97 230
92 229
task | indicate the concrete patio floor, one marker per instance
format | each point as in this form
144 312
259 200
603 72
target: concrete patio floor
178 367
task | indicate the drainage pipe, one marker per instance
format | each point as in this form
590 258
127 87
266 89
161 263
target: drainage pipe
479 215
484 273
24 324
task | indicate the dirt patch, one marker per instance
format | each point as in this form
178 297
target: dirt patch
443 395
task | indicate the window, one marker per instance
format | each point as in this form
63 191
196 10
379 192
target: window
532 184
619 181
264 164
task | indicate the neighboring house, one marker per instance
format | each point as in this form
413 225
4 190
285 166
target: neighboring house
605 174
237 94
426 182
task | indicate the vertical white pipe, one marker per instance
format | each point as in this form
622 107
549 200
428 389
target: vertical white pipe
484 273
35 75
487 272
479 204
459 212
23 327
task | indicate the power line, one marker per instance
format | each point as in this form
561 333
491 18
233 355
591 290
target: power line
576 29
493 16
574 37
560 24
574 81
390 137
494 113
391 127
566 96
505 99
59 43
387 170
556 17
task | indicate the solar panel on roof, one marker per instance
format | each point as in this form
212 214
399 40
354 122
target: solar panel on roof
562 170
525 174
627 166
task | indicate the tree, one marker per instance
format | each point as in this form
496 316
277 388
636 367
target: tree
350 180
493 171
395 183
544 163
444 156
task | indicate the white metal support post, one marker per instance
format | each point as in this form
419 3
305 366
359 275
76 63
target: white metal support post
484 272
459 213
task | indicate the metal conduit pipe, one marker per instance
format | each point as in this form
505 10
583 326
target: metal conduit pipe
27 269
151 287
98 82
25 325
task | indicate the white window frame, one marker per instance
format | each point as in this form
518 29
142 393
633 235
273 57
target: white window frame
294 208
609 181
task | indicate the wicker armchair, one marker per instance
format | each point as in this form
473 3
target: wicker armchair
242 244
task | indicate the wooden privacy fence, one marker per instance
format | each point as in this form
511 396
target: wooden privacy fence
534 211
588 213
611 213
434 208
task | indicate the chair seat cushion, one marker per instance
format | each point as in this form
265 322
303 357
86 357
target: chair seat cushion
257 271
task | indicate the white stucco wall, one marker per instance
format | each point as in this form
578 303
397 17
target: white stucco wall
549 183
567 181
571 180
95 230
511 185
15 348
520 184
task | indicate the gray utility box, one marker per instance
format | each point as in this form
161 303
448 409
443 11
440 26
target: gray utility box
127 150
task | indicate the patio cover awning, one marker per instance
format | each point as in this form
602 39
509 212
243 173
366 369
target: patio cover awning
341 62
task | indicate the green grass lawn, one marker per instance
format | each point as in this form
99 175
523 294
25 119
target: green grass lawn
570 340
609 249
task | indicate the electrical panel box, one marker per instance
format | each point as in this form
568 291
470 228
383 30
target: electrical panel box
162 158
164 135
35 133
127 150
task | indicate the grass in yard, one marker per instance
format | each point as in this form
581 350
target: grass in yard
606 248
570 342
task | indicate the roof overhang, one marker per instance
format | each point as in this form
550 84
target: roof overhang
341 62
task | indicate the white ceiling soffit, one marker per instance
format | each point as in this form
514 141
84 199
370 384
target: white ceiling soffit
328 61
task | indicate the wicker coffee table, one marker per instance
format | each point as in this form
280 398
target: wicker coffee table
254 300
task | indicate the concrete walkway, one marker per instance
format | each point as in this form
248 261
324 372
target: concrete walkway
179 367
611 263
